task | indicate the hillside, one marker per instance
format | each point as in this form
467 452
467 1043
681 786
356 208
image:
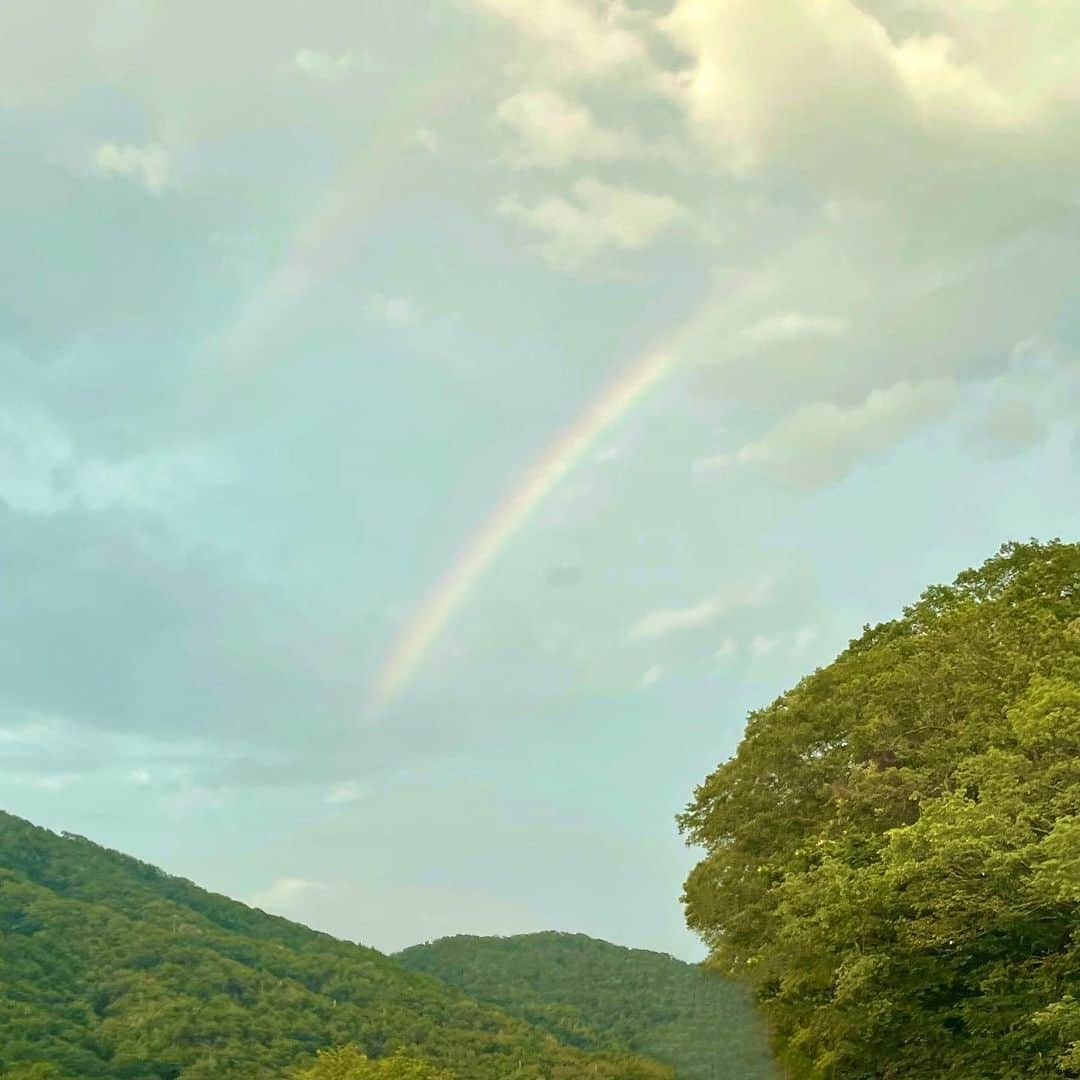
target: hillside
893 854
110 968
594 994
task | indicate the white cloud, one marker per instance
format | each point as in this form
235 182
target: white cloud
585 36
42 472
795 327
57 781
155 480
761 645
190 800
821 442
395 310
713 463
141 777
651 677
664 622
324 66
765 75
347 792
150 165
283 895
802 639
30 734
600 217
727 648
427 139
553 131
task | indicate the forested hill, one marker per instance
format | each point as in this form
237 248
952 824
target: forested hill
111 968
595 994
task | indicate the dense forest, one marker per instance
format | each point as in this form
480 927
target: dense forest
595 995
893 854
110 968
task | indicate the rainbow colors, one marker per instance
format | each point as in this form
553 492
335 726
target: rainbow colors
428 622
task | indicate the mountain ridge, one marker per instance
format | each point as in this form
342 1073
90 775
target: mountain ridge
595 994
111 968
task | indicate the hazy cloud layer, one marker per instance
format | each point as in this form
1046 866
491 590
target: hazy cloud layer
286 316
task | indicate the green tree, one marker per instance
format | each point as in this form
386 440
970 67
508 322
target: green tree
893 854
350 1063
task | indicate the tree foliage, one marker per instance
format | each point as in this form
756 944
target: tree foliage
893 854
350 1063
594 995
110 968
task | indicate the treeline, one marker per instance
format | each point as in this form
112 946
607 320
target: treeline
594 995
893 854
111 969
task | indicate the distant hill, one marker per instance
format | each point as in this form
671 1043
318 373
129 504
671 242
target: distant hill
111 968
595 995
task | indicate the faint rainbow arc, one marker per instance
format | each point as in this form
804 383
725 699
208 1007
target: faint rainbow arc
329 236
425 626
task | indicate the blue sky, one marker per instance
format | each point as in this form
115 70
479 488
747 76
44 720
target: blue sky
292 298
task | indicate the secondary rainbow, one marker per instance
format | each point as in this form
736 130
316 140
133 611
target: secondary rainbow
431 618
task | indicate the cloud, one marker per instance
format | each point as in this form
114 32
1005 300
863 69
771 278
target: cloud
778 329
1007 428
58 781
727 648
585 37
667 621
427 139
821 442
652 676
25 735
553 131
348 791
40 747
33 451
662 623
325 67
395 310
599 218
1018 409
283 895
42 472
761 645
149 165
764 75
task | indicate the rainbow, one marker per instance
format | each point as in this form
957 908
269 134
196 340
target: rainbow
331 235
313 252
429 621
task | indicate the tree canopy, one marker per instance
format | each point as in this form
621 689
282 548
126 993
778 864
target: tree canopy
893 853
594 994
350 1063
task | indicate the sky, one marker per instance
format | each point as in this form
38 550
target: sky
427 430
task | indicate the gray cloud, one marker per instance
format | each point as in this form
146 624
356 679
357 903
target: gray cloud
821 442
